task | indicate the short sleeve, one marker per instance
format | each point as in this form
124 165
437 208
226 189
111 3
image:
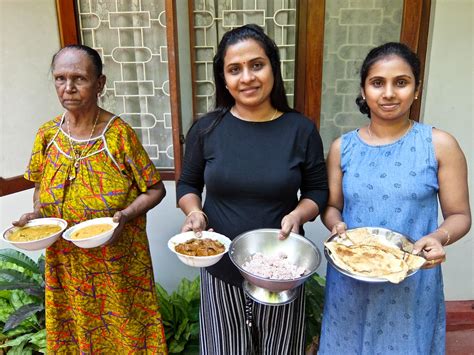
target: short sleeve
314 185
192 175
34 170
134 160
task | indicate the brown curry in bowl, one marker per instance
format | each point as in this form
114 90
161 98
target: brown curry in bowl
200 247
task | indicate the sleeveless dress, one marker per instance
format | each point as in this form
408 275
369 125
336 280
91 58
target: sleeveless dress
392 186
99 300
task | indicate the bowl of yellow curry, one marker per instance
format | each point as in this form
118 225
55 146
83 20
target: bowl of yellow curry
92 233
37 234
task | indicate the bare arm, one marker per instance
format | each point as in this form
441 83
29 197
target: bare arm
453 197
332 217
36 209
305 211
141 205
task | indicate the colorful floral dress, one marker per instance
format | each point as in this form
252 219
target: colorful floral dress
99 300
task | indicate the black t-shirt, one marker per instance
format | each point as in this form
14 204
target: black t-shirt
253 173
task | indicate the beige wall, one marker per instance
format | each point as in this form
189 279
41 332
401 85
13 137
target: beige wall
28 38
448 105
28 100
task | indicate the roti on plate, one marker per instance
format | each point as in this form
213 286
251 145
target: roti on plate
362 253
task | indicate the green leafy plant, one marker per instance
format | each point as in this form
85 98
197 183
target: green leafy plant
180 316
22 313
314 291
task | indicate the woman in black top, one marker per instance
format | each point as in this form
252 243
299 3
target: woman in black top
263 167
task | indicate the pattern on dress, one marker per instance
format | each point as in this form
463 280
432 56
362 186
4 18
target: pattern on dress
102 299
394 186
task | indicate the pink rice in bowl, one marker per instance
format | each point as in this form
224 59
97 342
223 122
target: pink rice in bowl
273 267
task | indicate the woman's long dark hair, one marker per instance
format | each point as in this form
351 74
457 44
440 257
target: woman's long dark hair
224 100
387 50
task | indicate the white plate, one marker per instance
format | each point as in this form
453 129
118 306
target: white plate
94 241
40 243
198 261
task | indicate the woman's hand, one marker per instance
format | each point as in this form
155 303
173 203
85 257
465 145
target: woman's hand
339 228
195 221
25 218
121 218
289 223
432 250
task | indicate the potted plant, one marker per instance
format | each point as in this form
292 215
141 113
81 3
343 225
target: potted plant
22 314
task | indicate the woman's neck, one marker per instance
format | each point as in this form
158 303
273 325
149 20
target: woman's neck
387 131
83 118
255 114
83 124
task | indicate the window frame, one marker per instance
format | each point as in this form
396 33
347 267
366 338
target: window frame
309 58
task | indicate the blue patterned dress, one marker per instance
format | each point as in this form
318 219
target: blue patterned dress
394 186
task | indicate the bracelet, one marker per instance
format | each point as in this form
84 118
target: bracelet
448 236
199 211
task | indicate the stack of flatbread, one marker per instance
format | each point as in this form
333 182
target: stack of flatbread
362 253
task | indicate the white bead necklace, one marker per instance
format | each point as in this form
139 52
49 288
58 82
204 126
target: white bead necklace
77 159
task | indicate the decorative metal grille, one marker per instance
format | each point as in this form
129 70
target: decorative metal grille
130 36
352 28
213 18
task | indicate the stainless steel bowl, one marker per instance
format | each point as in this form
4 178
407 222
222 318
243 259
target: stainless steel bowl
300 251
386 236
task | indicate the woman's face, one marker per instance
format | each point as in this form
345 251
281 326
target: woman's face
248 73
76 81
390 88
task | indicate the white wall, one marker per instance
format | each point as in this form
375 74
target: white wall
28 39
448 105
28 100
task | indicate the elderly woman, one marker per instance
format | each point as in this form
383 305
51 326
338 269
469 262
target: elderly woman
263 167
88 163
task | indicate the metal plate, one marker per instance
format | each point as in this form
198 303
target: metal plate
386 236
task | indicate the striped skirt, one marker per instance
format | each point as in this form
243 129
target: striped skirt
225 316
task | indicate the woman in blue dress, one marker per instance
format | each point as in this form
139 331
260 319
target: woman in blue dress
391 174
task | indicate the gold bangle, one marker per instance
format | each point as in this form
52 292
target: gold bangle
448 236
199 211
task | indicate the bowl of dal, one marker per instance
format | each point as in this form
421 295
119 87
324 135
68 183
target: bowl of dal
92 233
37 234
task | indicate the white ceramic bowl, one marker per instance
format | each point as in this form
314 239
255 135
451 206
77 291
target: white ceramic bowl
40 243
198 261
94 241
